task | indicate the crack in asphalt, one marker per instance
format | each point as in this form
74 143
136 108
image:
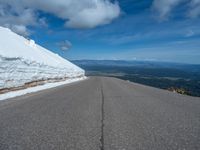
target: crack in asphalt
102 119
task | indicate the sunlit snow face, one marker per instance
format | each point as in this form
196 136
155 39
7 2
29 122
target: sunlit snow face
23 61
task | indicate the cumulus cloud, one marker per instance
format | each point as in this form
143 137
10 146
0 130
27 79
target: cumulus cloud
76 13
65 45
20 29
17 20
102 12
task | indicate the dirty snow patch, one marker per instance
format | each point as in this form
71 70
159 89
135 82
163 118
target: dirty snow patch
38 88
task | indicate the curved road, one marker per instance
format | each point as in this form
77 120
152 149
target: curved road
100 114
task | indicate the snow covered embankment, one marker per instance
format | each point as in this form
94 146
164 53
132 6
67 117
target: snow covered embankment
19 73
25 64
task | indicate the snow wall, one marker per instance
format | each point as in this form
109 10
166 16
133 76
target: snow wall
22 61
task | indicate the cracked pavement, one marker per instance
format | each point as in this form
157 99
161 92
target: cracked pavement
100 113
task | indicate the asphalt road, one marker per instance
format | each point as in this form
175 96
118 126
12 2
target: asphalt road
100 114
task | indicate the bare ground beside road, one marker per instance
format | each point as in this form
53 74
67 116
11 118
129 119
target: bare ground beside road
100 113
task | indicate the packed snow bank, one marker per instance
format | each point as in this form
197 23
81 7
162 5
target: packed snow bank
23 61
37 88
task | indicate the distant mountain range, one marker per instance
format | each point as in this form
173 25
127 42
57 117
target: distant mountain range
143 64
176 77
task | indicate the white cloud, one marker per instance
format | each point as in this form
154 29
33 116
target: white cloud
103 12
17 20
190 33
195 8
164 7
65 45
20 29
76 13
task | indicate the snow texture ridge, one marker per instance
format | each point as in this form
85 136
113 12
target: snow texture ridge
23 61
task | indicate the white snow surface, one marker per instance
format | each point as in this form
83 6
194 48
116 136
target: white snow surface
23 61
38 88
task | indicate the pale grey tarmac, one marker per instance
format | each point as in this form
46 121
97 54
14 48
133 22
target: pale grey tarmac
100 113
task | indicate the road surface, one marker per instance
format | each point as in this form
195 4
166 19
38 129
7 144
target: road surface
100 114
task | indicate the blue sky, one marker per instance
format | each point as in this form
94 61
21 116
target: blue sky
157 30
